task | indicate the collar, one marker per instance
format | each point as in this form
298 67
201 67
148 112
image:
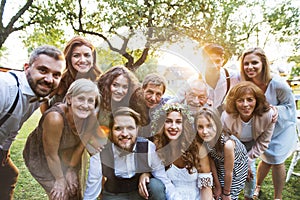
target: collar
120 152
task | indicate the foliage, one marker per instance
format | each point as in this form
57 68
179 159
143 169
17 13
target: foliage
295 59
107 59
37 38
285 21
295 72
140 26
169 20
42 16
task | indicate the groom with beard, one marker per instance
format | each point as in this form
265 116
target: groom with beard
124 158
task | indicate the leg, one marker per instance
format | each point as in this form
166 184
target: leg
156 189
8 176
278 176
262 171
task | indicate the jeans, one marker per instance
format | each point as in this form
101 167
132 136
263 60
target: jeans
8 176
250 186
156 190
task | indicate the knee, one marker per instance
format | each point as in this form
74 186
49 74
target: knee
156 189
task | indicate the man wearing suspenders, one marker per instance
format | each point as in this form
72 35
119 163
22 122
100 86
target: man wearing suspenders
21 94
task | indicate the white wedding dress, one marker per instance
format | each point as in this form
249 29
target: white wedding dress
185 183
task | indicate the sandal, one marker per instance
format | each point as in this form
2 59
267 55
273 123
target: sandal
256 192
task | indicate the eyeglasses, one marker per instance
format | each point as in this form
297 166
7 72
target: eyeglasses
200 97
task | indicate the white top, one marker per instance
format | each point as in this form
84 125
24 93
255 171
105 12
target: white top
217 95
185 183
246 134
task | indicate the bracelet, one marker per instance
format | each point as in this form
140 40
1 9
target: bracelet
227 195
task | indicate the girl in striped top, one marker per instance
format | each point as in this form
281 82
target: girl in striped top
229 160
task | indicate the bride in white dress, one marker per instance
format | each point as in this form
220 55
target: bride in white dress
187 165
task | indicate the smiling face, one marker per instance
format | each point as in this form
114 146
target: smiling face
82 59
83 104
252 66
153 94
119 88
44 74
206 128
196 97
173 125
245 106
124 132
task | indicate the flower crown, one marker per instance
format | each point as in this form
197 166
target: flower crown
167 108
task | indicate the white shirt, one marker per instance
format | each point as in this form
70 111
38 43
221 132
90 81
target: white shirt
217 94
246 133
124 167
23 109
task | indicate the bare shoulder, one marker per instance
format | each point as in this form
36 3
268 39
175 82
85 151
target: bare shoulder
53 119
229 145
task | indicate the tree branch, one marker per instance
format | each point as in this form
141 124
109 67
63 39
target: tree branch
3 2
19 14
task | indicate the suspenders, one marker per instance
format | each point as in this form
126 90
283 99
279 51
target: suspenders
12 108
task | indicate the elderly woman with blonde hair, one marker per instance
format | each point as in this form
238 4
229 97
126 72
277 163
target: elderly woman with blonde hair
53 150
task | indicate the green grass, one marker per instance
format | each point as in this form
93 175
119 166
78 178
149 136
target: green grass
28 189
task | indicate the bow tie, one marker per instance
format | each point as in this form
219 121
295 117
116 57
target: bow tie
39 99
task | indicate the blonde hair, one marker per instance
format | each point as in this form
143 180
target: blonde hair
266 70
83 86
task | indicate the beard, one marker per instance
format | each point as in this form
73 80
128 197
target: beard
34 86
125 146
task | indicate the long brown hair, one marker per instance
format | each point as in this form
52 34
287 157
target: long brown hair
184 142
212 115
70 73
107 78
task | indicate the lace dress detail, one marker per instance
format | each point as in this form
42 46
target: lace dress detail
185 183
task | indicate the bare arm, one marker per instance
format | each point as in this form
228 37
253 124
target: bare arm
71 174
228 166
217 191
52 130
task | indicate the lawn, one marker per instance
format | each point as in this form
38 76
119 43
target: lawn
28 188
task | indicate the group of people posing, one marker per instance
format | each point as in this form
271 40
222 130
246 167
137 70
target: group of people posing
143 143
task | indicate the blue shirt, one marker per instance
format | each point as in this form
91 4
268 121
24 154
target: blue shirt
23 110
